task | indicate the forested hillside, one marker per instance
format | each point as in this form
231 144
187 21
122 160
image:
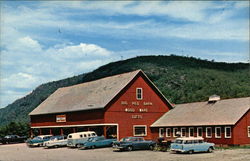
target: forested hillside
181 80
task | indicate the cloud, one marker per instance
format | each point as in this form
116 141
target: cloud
26 64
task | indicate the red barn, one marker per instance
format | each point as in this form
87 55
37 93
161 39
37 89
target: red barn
218 121
117 106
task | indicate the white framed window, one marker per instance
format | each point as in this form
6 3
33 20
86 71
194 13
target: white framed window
208 132
227 132
183 132
248 131
140 130
168 132
199 131
175 130
139 94
191 132
217 132
161 132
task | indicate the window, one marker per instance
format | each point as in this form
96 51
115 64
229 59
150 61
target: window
139 93
191 132
175 130
183 132
168 132
217 132
140 130
161 132
227 132
80 136
199 131
209 132
248 131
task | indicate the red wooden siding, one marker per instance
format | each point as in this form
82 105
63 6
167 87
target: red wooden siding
72 118
115 113
240 130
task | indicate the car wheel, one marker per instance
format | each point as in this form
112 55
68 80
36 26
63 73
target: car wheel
78 145
93 147
151 147
210 150
190 152
130 148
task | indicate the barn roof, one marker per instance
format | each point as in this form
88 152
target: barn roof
87 96
223 112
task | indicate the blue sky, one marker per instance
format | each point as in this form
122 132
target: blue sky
44 41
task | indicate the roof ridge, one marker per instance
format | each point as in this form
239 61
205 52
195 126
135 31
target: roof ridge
135 71
207 101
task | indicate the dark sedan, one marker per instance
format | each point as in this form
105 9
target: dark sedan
13 139
133 143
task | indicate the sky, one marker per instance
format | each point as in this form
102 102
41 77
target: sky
43 41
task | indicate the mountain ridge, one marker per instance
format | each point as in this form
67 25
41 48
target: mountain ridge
181 80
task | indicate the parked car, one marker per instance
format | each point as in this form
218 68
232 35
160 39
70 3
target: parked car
13 139
76 139
133 143
191 145
97 142
38 140
56 141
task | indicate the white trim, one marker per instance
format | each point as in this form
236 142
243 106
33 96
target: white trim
207 133
197 130
140 126
175 130
141 94
248 131
185 131
161 135
217 136
189 132
168 129
82 125
228 127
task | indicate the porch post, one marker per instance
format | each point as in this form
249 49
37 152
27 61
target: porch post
40 131
74 129
61 131
50 131
105 131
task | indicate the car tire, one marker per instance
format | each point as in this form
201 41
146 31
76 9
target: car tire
210 150
78 145
93 147
130 148
190 152
151 147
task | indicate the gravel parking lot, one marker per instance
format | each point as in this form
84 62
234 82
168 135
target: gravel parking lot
20 152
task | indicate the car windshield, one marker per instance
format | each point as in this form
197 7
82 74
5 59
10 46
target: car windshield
37 138
178 141
55 138
125 139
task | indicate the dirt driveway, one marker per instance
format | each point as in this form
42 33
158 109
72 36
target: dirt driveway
20 152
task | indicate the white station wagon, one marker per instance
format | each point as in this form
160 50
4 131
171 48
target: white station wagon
191 144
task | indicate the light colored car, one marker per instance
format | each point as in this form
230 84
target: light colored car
38 140
56 141
191 145
79 138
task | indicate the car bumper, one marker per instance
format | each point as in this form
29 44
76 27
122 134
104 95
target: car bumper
177 150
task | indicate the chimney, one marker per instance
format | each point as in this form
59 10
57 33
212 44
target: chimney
214 98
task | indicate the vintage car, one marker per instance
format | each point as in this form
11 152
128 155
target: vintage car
13 139
56 141
191 145
133 143
79 138
38 140
97 142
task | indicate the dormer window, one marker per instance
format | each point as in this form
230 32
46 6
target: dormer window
139 93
